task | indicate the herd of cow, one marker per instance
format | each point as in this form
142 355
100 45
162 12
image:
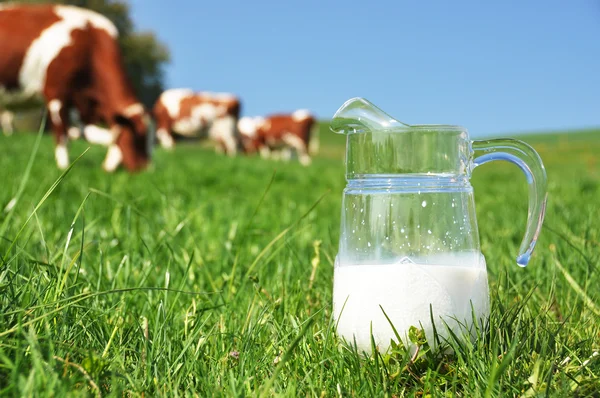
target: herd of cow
68 59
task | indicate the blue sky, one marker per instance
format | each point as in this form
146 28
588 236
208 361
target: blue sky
495 67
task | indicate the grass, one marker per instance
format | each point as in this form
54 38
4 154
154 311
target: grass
212 276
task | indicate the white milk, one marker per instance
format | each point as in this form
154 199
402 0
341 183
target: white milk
450 283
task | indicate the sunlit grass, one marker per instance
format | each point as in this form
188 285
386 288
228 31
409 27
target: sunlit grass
213 276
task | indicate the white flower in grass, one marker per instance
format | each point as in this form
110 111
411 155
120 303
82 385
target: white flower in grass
595 354
10 205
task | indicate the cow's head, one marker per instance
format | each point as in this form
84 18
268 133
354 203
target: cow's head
133 138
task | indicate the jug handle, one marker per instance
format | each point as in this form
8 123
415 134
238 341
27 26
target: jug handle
528 160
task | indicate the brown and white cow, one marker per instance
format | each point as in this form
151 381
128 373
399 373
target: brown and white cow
203 114
66 56
279 132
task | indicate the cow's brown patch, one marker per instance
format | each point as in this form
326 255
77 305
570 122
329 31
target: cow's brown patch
18 28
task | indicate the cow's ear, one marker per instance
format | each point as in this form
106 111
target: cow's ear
126 122
122 120
138 123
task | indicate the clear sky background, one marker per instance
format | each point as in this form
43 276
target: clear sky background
495 67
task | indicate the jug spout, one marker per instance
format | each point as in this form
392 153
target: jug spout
359 115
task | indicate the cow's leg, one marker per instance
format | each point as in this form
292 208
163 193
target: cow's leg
164 138
299 145
113 159
59 117
224 131
163 129
163 125
74 133
114 156
286 154
265 152
221 147
276 154
6 119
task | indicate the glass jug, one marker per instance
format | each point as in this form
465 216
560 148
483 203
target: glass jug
409 243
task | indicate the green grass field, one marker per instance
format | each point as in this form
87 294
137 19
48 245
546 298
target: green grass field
211 276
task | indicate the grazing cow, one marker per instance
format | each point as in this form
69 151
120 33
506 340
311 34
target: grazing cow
203 114
67 56
277 132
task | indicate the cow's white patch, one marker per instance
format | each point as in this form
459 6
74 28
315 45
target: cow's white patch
7 6
165 139
265 124
201 118
62 156
261 122
54 107
247 126
217 96
98 135
205 113
171 99
113 158
223 130
301 114
221 110
98 21
134 110
74 133
6 120
183 127
188 127
51 41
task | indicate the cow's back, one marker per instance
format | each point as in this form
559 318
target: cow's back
19 27
276 126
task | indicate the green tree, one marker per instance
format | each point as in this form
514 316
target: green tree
144 58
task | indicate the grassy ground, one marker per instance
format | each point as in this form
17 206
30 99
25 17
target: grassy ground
212 276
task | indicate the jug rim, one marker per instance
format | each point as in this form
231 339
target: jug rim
412 127
436 127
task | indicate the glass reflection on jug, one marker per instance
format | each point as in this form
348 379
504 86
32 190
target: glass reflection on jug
409 242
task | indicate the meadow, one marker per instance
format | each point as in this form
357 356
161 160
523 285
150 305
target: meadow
212 276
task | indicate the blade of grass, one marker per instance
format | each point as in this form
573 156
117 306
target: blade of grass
281 235
84 296
589 303
62 263
40 203
26 175
286 356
